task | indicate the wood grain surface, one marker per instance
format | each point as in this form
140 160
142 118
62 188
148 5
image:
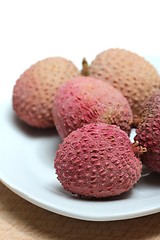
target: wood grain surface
21 220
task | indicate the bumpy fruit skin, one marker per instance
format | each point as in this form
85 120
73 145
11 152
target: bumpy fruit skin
97 161
151 160
148 132
130 73
85 100
34 91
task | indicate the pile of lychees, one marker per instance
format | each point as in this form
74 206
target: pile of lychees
93 111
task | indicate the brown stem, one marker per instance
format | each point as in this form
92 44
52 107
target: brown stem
85 68
137 149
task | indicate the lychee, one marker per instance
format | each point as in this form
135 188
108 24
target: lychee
85 100
148 132
34 91
130 73
97 161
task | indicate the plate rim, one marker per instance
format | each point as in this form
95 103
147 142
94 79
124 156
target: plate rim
74 215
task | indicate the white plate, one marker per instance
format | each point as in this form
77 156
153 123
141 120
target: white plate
26 167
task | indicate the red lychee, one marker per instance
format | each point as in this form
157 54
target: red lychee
148 132
97 160
84 100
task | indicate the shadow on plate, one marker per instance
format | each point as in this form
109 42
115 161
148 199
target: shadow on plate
150 178
31 131
67 195
47 149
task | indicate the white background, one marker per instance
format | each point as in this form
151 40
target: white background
36 29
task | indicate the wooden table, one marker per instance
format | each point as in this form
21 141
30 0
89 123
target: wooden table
21 220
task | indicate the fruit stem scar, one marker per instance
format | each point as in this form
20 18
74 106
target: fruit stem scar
137 149
85 67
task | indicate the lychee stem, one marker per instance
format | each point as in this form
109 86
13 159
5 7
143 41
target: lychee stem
136 121
85 67
137 149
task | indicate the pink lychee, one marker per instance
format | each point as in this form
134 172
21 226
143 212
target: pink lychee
148 132
97 160
34 91
85 100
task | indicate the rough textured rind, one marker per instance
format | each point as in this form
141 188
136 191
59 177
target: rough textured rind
86 100
97 161
135 77
148 132
34 91
152 160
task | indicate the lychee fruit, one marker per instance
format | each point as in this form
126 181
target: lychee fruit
85 100
148 132
128 72
34 91
97 160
